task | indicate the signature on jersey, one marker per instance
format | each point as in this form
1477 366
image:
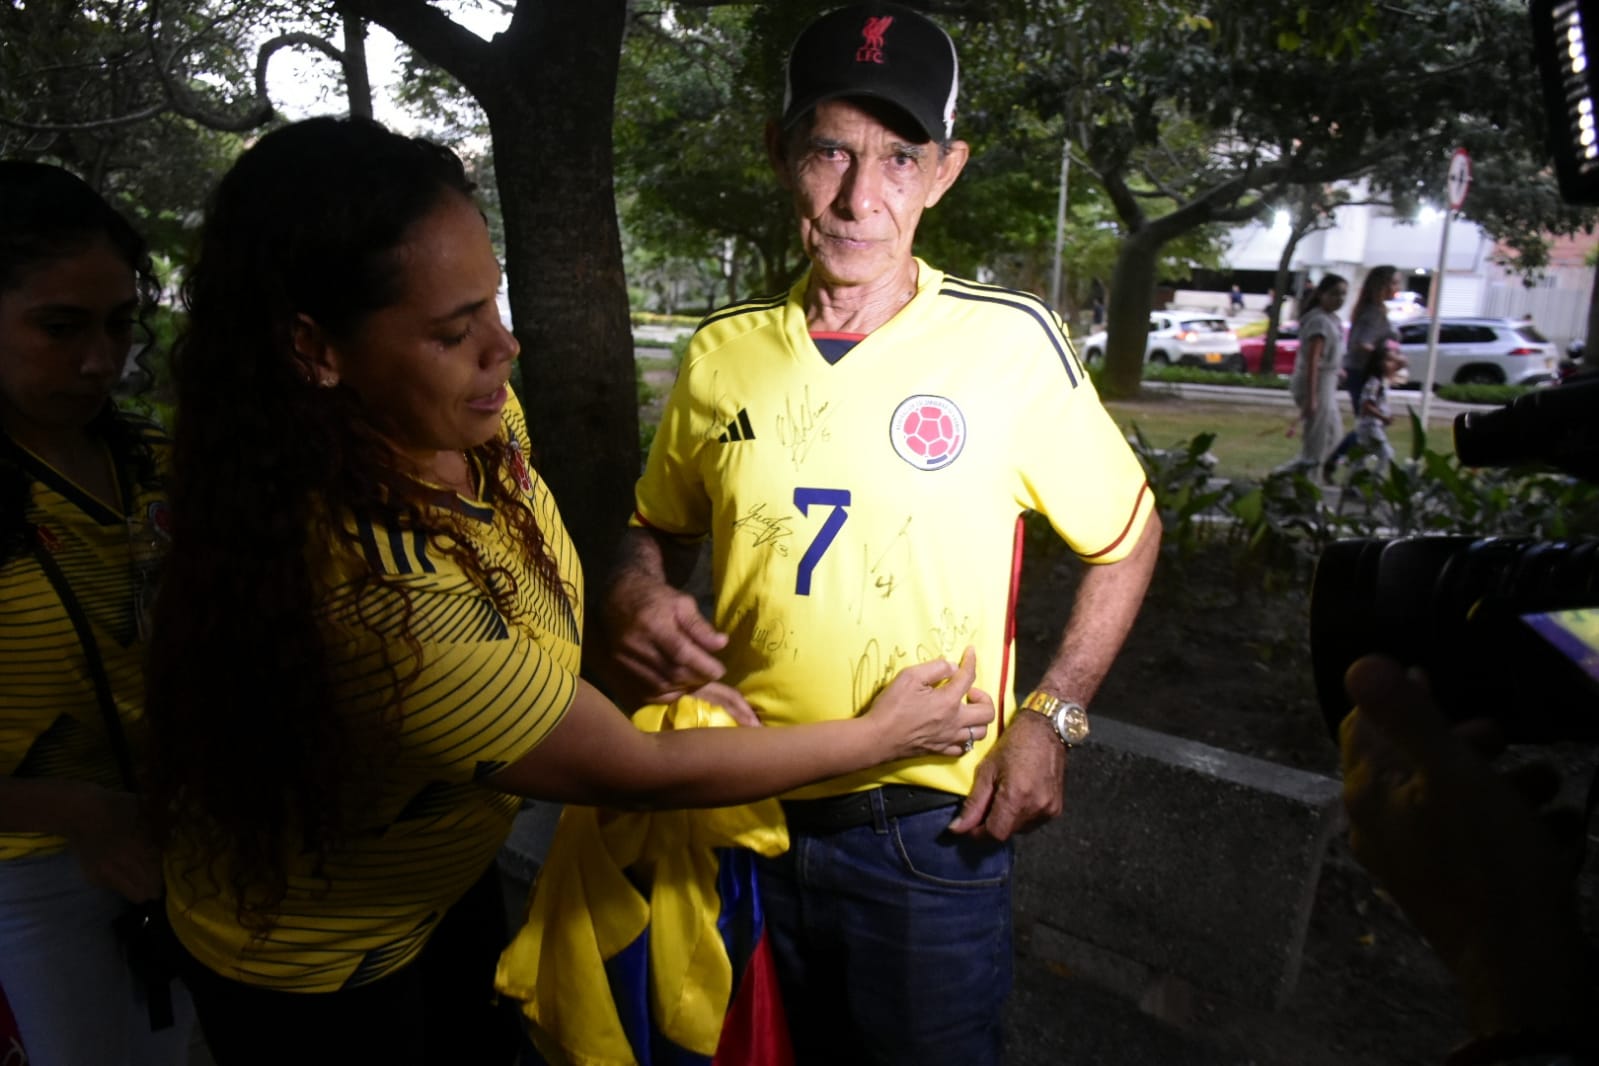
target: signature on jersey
766 530
799 430
876 665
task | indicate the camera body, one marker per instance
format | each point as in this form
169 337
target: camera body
1504 626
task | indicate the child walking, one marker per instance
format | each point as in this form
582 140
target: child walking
1373 418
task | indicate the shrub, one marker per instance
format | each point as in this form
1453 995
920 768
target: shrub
1279 525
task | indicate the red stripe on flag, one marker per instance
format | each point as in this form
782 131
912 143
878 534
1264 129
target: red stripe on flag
755 1032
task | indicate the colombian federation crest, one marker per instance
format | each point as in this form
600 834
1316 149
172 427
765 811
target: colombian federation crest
927 432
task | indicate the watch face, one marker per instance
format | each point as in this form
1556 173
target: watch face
1071 722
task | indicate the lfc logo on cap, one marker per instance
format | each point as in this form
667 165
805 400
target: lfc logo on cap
871 51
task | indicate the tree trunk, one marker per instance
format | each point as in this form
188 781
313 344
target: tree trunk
1274 313
357 82
551 130
1132 284
1308 212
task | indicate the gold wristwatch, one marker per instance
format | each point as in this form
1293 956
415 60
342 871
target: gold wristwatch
1070 720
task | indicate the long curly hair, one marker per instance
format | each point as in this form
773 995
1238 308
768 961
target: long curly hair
48 214
251 758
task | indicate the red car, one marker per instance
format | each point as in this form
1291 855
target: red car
1252 348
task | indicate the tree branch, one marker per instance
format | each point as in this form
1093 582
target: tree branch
440 40
131 117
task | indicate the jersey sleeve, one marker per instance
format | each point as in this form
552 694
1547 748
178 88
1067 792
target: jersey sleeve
477 692
671 495
1075 465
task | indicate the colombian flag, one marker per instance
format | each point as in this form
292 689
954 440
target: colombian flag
644 943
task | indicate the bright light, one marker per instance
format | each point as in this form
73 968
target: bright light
1428 215
1279 219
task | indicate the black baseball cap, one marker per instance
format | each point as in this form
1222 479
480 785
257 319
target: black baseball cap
883 51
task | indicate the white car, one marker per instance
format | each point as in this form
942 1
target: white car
1191 338
1481 351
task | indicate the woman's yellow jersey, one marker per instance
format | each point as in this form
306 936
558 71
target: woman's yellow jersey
487 688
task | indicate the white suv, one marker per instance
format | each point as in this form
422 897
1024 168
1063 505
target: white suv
1193 338
1480 351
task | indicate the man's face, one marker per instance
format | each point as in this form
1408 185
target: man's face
859 190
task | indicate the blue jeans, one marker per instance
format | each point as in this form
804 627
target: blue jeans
892 942
1354 384
64 974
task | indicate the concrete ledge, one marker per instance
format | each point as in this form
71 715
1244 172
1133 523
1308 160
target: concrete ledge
1177 859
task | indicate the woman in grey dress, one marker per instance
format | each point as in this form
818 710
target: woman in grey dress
1314 385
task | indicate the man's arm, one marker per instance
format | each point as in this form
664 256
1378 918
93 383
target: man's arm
660 645
1021 784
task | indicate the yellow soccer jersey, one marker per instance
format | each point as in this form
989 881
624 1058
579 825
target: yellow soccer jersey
488 689
51 724
863 514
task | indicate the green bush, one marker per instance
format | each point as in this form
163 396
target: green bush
650 318
1193 375
1494 394
1280 524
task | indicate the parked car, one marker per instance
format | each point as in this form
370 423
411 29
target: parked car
1481 351
1193 338
1253 348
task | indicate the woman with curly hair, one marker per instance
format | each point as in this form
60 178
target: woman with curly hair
1369 333
81 512
367 640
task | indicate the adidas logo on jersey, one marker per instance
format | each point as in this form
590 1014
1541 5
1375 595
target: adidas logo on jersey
738 429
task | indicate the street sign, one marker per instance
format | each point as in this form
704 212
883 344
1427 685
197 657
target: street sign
1459 178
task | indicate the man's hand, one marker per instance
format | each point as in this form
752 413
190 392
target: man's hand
661 642
1020 784
730 700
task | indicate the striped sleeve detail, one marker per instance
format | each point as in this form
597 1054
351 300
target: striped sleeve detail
1026 304
388 548
745 307
1132 520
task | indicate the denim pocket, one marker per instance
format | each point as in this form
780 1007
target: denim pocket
934 856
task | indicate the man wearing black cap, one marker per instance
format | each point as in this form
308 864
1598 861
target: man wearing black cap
860 451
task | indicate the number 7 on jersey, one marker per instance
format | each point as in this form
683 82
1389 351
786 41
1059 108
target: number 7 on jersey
837 499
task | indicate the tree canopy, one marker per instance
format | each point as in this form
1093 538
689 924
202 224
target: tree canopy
1177 121
1187 119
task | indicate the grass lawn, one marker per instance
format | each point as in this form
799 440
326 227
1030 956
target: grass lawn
1251 439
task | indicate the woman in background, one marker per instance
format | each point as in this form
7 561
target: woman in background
81 520
1369 333
1314 383
367 639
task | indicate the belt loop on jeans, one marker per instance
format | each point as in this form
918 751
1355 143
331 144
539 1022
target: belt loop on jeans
873 807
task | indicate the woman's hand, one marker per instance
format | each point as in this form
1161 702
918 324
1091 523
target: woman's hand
932 709
112 847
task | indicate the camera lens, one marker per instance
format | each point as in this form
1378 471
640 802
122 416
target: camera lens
1456 606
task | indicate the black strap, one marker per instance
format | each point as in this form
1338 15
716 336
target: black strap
91 655
143 927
